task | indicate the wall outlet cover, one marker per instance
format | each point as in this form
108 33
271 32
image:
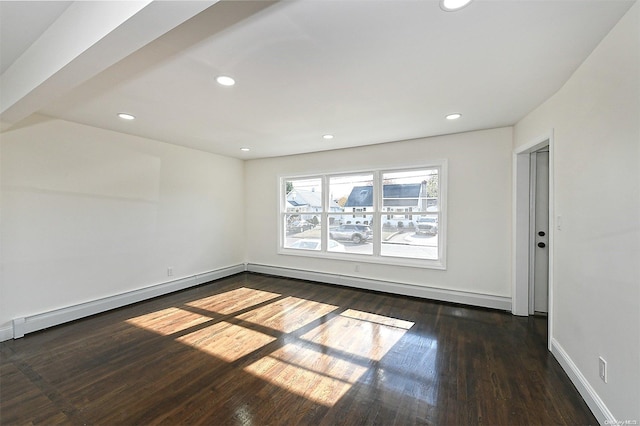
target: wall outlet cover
602 369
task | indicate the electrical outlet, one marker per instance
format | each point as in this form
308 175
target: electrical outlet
169 271
602 369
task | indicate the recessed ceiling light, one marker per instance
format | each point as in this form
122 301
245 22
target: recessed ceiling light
453 116
245 149
225 80
327 136
453 5
126 116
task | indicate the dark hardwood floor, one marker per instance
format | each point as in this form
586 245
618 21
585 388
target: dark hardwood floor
259 350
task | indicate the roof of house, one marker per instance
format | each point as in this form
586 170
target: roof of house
300 197
394 195
360 196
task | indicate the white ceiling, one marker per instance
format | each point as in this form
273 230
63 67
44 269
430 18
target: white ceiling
365 71
20 27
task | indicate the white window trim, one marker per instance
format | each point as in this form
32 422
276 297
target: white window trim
375 257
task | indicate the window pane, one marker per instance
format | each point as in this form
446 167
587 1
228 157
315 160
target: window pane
303 207
351 213
352 234
302 233
418 241
304 196
407 228
352 193
409 191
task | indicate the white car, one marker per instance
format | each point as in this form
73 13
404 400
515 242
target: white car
356 233
314 244
427 225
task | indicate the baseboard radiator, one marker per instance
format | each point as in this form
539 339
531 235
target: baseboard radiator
29 324
425 292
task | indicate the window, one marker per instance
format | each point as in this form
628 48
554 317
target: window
388 216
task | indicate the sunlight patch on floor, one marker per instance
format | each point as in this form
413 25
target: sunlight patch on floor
293 313
321 365
334 357
378 319
226 341
168 321
319 377
233 301
373 339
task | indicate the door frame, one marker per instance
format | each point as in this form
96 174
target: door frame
533 228
521 244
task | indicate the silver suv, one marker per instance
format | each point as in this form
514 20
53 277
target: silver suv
355 233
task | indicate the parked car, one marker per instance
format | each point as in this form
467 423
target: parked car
298 226
356 233
427 225
314 244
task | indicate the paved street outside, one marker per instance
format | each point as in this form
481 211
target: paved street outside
405 244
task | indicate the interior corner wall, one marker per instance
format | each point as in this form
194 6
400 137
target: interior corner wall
478 209
89 213
595 119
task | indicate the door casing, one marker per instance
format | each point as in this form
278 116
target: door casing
539 221
521 243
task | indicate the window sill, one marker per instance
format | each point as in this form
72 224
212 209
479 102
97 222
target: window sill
367 258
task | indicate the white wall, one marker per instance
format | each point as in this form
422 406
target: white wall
479 206
90 213
596 299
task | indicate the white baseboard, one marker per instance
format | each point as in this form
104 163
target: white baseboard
595 403
29 324
455 296
6 333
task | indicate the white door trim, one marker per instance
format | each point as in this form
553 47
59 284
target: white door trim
521 227
533 172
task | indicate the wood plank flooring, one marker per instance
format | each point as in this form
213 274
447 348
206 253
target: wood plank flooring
260 350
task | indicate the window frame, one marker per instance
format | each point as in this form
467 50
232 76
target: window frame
378 214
